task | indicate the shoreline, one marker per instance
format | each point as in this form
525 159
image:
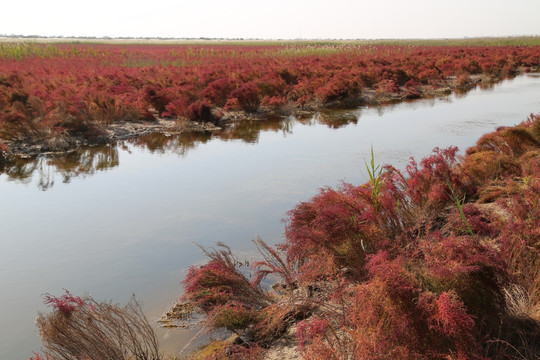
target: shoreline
474 240
45 144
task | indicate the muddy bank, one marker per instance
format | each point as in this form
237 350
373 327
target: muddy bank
63 143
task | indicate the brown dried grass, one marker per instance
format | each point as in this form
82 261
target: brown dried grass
99 331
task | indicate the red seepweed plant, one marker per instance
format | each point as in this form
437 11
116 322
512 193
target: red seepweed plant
83 88
397 268
65 304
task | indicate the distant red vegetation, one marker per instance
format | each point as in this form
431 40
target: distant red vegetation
442 262
58 90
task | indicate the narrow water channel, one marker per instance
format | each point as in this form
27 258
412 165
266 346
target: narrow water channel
119 220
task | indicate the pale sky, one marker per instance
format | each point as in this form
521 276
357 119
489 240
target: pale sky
276 19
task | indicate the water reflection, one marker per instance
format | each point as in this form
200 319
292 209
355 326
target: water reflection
45 170
247 131
250 130
336 119
164 143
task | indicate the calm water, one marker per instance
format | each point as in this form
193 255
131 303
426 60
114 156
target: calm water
120 220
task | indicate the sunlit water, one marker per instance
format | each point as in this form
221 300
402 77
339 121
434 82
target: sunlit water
120 220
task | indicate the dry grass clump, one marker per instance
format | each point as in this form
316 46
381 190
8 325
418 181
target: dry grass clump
86 329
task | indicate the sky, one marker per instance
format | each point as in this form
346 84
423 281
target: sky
276 19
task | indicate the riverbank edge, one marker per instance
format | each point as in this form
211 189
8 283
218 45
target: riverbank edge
516 145
57 144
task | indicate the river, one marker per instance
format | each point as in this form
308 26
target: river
123 219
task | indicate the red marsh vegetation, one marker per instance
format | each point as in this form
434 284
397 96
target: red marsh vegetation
441 261
51 94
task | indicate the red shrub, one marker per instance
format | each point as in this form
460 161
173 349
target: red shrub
393 272
430 186
272 85
341 86
248 96
485 166
201 110
220 282
520 238
385 87
465 265
40 357
274 101
339 224
380 328
156 96
65 304
232 104
250 352
233 316
479 223
450 316
308 330
170 78
221 350
510 141
428 75
88 329
219 90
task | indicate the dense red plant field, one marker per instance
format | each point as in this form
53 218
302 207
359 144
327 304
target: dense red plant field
49 91
439 262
